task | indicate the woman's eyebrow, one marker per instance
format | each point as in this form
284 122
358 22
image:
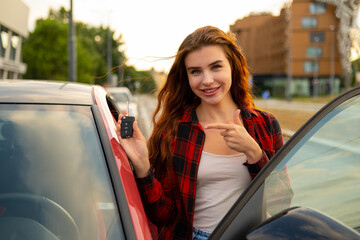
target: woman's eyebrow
211 64
192 68
216 62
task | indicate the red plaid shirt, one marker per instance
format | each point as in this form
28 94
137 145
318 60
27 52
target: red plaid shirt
169 199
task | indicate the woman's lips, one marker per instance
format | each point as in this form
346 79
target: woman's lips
210 91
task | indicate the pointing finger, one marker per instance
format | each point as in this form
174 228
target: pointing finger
220 126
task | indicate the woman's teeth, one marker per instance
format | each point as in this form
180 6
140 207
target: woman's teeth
209 91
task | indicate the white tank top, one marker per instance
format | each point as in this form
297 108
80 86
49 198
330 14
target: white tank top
220 181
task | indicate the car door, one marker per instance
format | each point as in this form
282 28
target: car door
318 168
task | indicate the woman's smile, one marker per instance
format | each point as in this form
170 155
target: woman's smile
210 91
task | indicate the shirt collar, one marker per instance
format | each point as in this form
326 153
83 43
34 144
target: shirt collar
247 112
189 116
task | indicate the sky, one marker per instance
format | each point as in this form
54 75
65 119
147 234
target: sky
153 30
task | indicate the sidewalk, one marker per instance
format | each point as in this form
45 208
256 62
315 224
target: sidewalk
291 115
282 104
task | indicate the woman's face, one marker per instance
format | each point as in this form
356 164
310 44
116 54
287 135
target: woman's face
209 74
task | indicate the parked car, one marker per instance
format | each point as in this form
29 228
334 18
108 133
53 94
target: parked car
124 97
63 174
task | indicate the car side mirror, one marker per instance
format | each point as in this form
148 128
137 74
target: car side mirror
301 223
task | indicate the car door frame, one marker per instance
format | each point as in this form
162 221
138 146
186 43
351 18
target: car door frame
134 221
244 214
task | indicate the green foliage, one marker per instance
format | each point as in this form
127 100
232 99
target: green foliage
45 52
138 81
62 15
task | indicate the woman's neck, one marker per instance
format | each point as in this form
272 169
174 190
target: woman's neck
222 112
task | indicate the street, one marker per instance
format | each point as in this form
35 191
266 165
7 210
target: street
146 107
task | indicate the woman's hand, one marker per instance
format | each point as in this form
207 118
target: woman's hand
237 138
136 149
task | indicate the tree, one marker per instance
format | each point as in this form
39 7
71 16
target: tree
138 81
45 52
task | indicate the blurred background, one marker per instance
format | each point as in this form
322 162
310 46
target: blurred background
301 53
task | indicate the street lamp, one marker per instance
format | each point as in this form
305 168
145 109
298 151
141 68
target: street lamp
289 60
72 47
332 59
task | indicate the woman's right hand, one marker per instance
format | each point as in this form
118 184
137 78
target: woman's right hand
136 149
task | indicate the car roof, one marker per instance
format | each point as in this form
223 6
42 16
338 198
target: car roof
118 89
48 92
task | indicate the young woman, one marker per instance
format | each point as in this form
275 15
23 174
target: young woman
208 141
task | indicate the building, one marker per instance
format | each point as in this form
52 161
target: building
13 28
298 48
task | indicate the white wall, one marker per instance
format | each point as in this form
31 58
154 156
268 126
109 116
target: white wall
14 15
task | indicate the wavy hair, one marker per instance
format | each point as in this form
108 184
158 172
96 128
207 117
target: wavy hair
176 95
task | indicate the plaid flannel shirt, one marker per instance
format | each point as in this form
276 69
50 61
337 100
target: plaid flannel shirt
169 199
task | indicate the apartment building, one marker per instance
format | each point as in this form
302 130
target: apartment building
13 28
298 46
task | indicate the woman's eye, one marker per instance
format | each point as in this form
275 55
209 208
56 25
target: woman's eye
216 67
195 71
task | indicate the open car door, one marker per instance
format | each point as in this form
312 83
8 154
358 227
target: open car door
311 187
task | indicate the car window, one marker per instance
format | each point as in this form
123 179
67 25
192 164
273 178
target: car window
52 155
121 97
322 170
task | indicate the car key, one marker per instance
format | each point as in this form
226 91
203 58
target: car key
127 125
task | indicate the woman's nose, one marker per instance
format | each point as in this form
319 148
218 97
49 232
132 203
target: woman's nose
207 78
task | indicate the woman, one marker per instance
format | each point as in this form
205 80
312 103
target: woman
208 141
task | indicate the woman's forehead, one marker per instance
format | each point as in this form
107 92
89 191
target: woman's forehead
205 56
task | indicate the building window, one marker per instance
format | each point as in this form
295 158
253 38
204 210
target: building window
4 40
311 67
14 45
1 74
317 8
317 37
314 52
309 22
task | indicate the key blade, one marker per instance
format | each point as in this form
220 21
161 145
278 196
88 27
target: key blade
128 108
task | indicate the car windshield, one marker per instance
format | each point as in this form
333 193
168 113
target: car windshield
322 170
51 155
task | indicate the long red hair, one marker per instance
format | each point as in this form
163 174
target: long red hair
176 95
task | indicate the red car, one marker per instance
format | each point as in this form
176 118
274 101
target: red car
63 174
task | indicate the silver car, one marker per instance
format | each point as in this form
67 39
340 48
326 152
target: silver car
124 97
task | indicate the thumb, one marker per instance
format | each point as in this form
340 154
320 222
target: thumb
237 120
136 130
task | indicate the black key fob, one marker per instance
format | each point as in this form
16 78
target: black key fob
127 126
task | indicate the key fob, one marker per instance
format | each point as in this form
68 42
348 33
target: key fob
127 126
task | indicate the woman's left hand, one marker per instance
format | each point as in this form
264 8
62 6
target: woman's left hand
135 148
237 138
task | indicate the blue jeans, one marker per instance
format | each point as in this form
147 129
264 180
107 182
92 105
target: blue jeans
200 234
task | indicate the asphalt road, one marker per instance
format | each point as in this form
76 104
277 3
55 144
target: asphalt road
146 107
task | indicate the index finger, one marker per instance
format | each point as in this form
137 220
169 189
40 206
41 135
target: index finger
220 126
